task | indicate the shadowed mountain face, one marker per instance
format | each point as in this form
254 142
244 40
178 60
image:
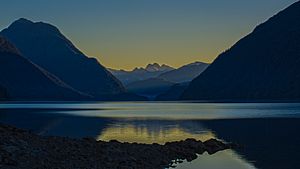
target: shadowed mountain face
44 45
149 87
173 93
156 80
263 65
22 80
3 93
185 73
138 74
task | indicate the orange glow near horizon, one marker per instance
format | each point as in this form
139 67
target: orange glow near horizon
125 35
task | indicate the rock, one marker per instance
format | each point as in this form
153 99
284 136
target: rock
212 146
34 151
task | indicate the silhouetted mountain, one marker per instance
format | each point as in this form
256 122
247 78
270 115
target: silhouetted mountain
46 46
149 87
155 67
24 80
173 93
3 93
138 74
185 73
263 65
154 80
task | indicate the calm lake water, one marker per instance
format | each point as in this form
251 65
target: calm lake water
269 131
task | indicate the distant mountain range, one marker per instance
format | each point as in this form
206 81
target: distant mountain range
46 47
264 65
185 73
38 63
155 67
156 79
138 74
20 79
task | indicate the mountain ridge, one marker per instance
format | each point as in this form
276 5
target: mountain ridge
140 73
23 80
47 47
180 75
262 65
184 73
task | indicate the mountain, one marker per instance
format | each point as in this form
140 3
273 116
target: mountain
155 67
185 73
3 93
150 87
173 93
157 80
138 74
264 65
25 81
45 46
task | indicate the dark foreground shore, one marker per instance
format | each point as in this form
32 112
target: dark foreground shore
20 149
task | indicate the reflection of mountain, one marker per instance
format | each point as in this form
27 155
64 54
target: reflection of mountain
270 143
262 66
154 131
227 159
55 122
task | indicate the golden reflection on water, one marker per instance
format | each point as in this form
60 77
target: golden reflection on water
145 133
227 159
140 134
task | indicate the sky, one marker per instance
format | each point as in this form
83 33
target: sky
124 34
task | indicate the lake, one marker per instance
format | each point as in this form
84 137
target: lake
269 132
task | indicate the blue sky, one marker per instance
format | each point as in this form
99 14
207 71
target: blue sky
129 33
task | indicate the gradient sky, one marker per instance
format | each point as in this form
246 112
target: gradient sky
129 33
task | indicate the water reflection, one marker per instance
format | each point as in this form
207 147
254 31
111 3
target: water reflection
162 131
170 110
227 159
152 132
268 131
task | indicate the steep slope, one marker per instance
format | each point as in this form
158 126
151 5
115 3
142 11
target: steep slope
173 93
149 87
23 80
185 73
263 65
139 74
46 46
3 93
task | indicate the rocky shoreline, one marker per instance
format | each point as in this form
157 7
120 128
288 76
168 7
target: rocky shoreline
21 149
